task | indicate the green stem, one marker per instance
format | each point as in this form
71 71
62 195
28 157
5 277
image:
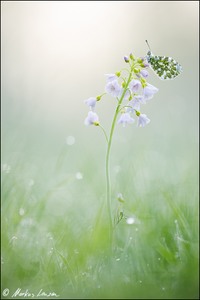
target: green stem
108 190
104 132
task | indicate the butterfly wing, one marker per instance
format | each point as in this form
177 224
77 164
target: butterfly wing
165 67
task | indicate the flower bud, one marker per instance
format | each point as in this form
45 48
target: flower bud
126 59
144 73
143 82
140 60
137 113
118 74
123 84
120 198
130 97
144 65
98 98
136 70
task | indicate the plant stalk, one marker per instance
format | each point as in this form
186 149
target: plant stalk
108 188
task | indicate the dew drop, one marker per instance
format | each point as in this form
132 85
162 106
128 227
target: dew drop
49 236
70 140
130 220
21 211
79 175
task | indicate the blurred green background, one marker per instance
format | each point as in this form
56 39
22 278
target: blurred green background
54 55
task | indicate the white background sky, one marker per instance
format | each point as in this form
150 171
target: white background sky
55 55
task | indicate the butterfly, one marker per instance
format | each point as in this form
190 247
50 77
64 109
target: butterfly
165 67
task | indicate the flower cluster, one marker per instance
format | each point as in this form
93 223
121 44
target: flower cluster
134 89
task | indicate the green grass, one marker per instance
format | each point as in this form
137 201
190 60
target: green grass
55 226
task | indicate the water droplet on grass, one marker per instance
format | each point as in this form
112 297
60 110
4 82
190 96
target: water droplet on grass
70 140
79 175
130 220
49 236
21 211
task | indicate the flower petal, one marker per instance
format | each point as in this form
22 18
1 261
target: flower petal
125 118
92 118
143 120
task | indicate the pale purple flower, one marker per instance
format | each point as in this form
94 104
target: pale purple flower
140 98
143 120
134 104
148 91
144 73
134 85
126 59
145 64
92 119
111 77
125 118
113 88
142 58
91 102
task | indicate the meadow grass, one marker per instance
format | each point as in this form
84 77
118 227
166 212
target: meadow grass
55 226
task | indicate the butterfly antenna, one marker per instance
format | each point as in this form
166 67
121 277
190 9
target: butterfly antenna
148 45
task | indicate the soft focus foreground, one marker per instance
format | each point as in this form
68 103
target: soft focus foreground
54 219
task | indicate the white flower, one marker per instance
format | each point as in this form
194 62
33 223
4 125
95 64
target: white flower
143 120
92 119
134 85
148 91
91 102
110 77
125 118
113 88
135 103
144 73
